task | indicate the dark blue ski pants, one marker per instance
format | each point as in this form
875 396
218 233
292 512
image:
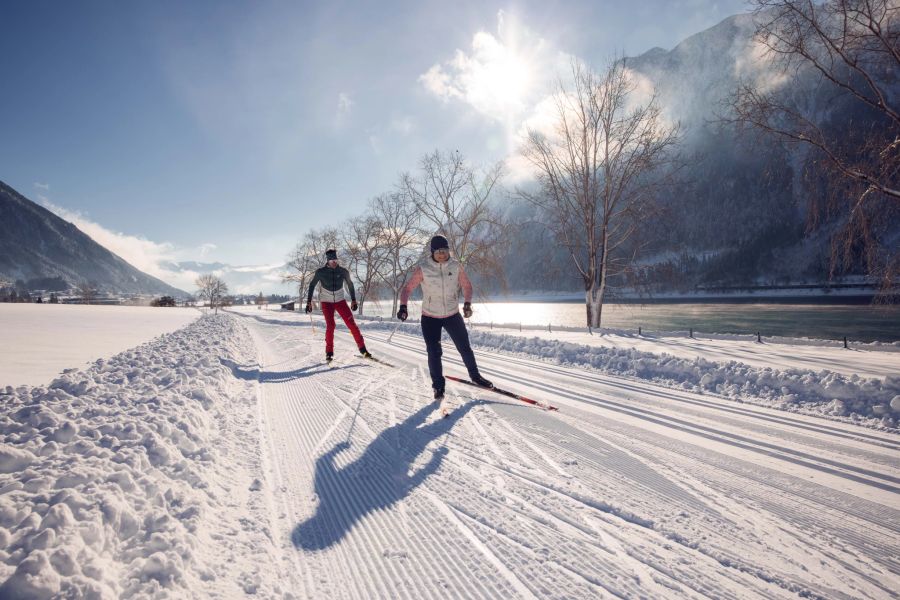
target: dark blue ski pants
456 328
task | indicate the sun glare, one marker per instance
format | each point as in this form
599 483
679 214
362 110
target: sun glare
500 78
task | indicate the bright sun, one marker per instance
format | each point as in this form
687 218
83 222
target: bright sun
499 77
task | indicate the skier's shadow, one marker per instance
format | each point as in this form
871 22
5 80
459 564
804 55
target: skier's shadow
255 374
377 479
280 376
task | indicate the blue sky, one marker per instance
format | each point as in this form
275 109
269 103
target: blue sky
221 131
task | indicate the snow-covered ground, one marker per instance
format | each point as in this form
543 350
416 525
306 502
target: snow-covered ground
39 341
226 459
866 360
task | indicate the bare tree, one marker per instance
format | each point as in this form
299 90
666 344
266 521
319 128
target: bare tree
455 199
211 288
88 292
595 172
307 256
367 257
401 239
851 48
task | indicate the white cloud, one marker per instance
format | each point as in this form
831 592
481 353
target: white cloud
754 62
508 77
440 83
142 253
344 109
403 124
501 75
42 186
160 259
375 143
256 268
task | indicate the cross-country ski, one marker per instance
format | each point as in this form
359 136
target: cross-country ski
503 392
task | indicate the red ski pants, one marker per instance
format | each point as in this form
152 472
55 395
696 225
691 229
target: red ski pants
328 309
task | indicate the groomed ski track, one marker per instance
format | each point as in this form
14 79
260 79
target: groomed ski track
629 491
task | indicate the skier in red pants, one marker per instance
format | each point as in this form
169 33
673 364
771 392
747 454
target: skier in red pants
331 279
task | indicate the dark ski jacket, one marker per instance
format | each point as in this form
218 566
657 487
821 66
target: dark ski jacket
332 282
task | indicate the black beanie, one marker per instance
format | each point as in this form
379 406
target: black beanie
438 242
331 255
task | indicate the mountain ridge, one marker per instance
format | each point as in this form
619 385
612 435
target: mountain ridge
34 242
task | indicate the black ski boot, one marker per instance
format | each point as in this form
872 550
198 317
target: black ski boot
365 353
438 394
479 380
329 356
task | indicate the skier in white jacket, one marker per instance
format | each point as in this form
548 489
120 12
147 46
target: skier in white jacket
441 277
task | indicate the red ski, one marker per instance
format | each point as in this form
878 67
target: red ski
504 392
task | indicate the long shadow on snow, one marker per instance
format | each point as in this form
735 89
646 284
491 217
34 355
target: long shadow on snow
377 479
254 374
271 321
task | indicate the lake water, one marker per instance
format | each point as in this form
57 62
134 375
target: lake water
864 323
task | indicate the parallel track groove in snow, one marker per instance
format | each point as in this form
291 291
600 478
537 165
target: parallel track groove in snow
671 394
666 494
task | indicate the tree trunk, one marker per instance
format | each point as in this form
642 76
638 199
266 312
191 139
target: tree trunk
598 286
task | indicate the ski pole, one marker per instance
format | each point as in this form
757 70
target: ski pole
396 327
312 324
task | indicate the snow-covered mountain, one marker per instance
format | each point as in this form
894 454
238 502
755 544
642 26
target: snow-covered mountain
35 243
740 215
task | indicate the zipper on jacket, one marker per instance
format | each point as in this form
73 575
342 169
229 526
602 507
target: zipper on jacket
443 291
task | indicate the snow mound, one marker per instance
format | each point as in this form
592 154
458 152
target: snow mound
104 473
868 401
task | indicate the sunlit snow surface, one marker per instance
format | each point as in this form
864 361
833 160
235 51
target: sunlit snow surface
227 459
40 340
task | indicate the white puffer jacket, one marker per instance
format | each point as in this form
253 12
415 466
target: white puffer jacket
440 287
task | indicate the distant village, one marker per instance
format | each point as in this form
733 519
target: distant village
56 290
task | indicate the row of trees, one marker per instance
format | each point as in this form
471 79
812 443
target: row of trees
598 173
379 248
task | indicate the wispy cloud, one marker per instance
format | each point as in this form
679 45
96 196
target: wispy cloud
161 259
344 109
42 186
257 268
403 124
375 143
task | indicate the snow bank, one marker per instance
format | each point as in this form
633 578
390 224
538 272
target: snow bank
871 402
104 474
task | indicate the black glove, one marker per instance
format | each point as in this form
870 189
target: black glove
309 307
467 310
353 305
402 314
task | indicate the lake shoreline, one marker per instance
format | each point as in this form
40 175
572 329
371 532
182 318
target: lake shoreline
822 300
